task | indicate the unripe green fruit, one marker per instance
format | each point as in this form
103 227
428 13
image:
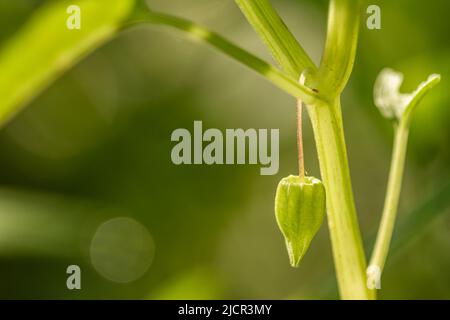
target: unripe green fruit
300 207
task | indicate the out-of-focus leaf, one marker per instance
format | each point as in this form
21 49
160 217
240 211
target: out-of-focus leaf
197 284
47 224
422 216
32 224
45 47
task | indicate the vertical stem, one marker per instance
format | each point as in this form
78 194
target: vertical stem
340 46
348 253
301 159
386 229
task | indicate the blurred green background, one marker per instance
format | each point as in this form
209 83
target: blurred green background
86 175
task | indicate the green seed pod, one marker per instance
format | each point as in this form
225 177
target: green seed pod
299 208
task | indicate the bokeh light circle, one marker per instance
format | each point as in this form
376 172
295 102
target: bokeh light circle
122 250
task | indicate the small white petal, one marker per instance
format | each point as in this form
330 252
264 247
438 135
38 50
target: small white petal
388 98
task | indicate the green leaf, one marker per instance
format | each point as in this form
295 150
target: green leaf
282 44
44 47
340 47
200 33
391 102
422 215
299 208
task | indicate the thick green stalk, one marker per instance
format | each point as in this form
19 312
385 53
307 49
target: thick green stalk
340 47
386 229
346 240
29 65
282 44
329 81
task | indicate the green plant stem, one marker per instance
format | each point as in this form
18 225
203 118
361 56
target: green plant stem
345 235
301 158
281 42
198 32
330 80
340 47
389 215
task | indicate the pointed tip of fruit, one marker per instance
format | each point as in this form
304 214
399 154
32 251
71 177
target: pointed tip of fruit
299 209
294 264
295 255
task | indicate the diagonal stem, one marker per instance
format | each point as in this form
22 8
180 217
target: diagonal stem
282 44
198 32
